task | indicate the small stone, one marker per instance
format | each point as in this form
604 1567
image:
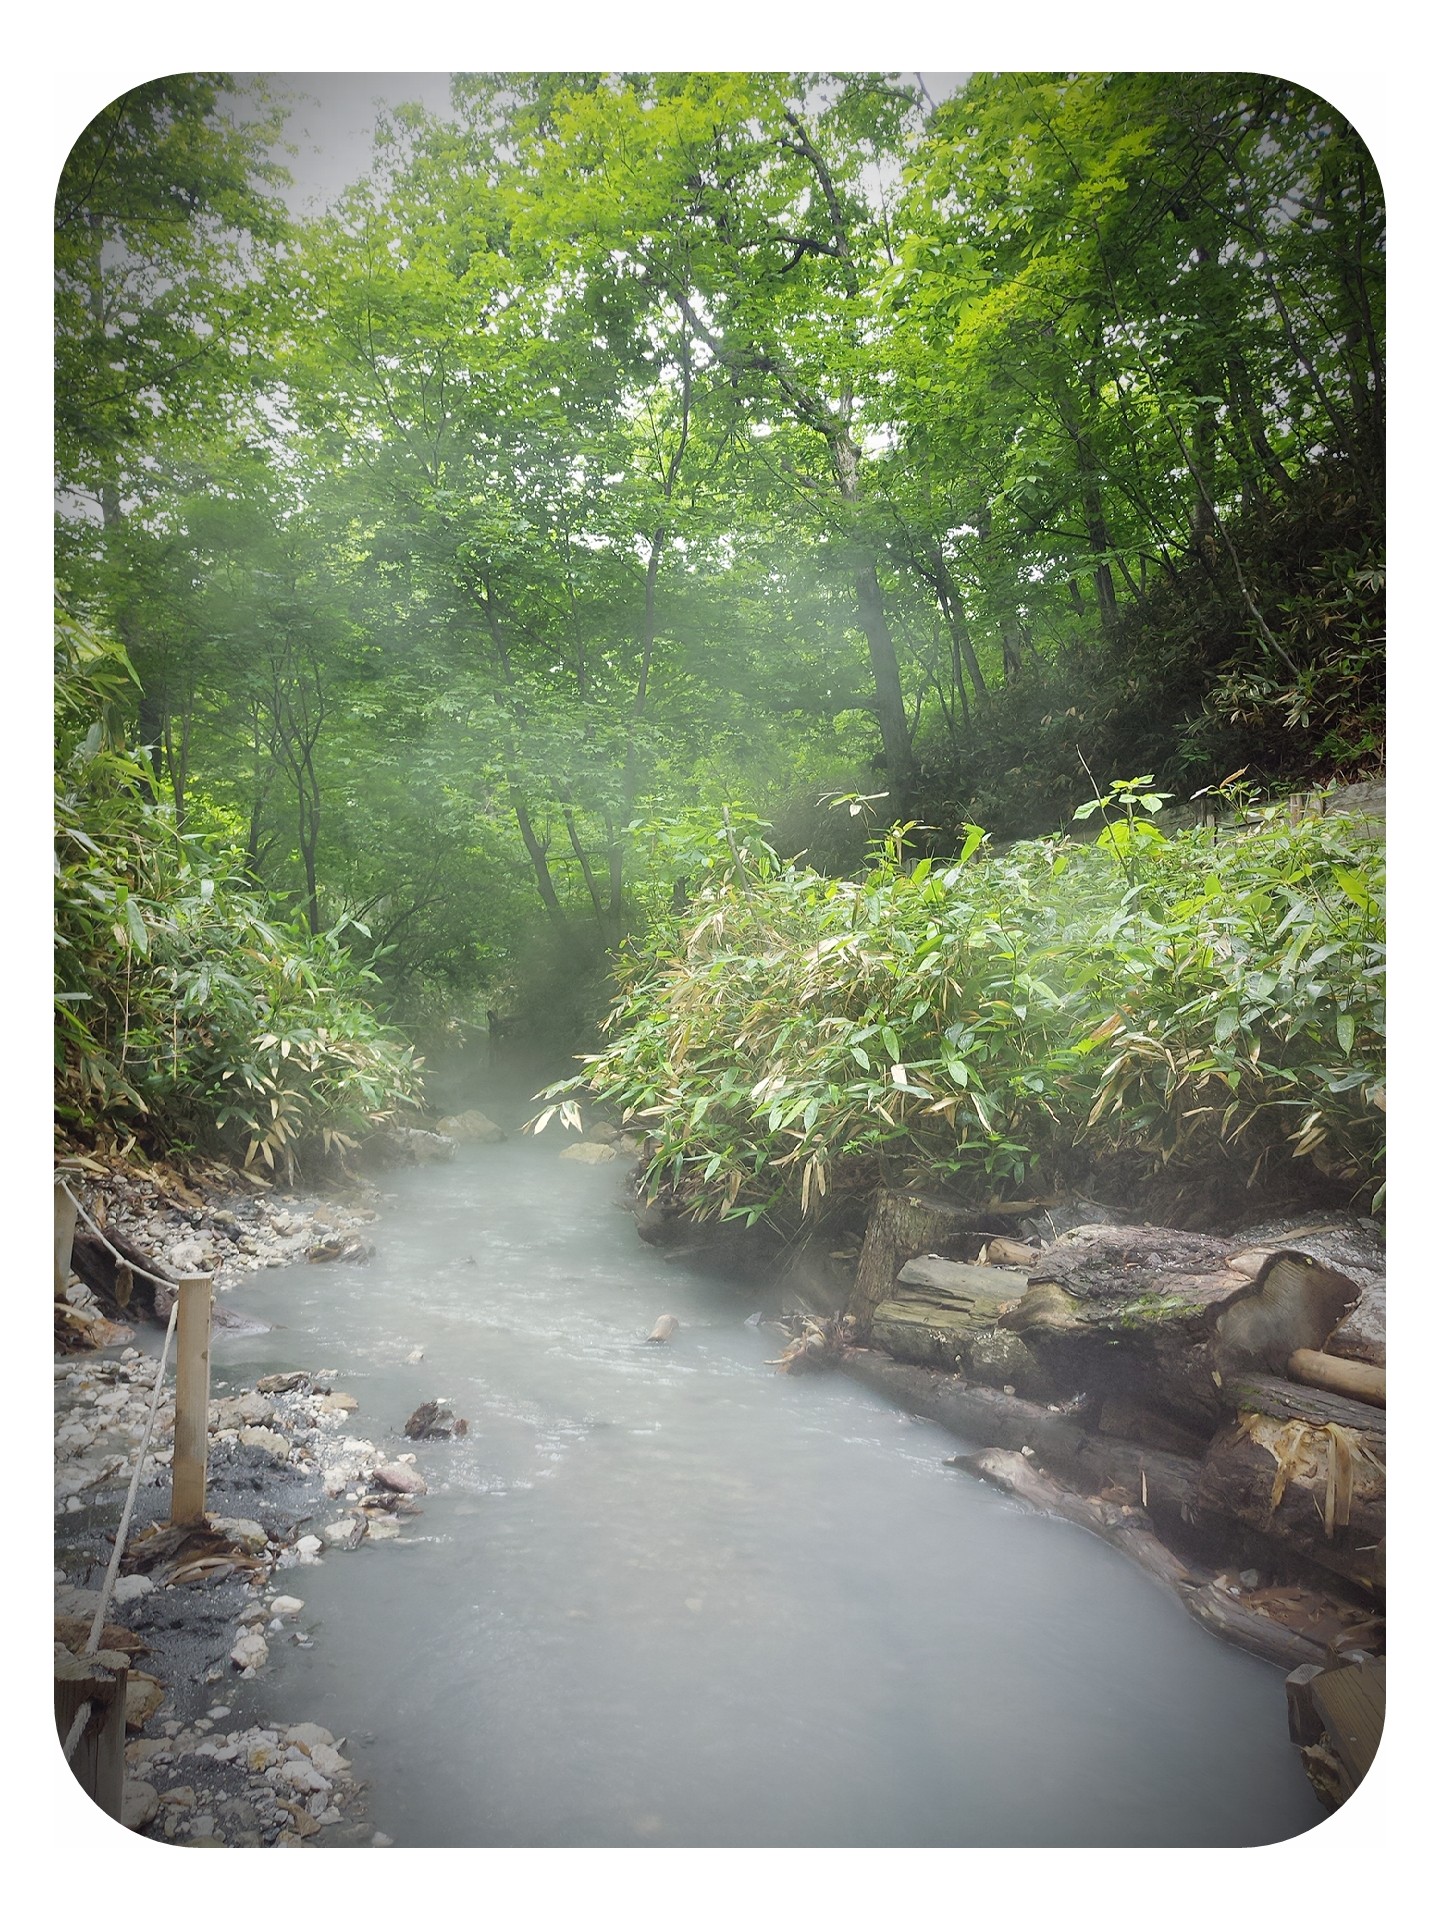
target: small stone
180 1797
378 1839
284 1603
250 1651
309 1734
264 1441
308 1545
398 1477
143 1695
243 1533
591 1152
415 1356
347 1534
340 1403
130 1586
282 1383
139 1805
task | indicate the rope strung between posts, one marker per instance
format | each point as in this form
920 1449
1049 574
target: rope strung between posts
97 1627
146 1273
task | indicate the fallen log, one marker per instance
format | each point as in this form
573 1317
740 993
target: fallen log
1352 1244
1162 1317
1205 1598
936 1306
1161 1481
1354 1379
131 1283
1304 1469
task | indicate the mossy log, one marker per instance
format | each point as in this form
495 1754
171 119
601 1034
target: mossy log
1164 1317
1305 1469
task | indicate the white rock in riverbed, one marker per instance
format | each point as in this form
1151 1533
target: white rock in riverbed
130 1586
275 1444
347 1534
284 1603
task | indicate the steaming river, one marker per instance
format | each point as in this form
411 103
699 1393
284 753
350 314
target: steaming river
666 1597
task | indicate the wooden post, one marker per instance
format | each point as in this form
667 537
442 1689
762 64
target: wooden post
64 1237
98 1762
192 1400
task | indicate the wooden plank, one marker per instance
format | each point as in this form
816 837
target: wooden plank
98 1762
192 1401
65 1216
1350 1701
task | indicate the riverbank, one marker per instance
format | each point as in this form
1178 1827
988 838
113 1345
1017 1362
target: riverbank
197 1613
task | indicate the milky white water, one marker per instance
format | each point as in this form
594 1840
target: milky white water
666 1596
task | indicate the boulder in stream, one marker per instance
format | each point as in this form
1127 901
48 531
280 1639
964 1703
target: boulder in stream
470 1125
591 1152
434 1420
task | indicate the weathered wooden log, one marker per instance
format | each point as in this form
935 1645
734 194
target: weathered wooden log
1161 1316
1352 1244
1206 1600
1163 1482
132 1284
936 1305
1306 1470
1292 1400
1354 1379
900 1226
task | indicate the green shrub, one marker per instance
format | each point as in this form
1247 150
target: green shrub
1210 1001
184 1007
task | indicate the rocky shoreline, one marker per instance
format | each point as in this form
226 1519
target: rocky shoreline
197 1613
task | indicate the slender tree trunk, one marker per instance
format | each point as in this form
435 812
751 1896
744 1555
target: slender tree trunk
537 849
1092 508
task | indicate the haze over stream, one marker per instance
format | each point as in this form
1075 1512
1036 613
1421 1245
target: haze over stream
665 1596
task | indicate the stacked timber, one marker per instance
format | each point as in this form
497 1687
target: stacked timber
1226 1389
1304 1469
939 1306
1166 1317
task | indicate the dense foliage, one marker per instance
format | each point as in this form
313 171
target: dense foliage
187 1015
628 444
1208 1006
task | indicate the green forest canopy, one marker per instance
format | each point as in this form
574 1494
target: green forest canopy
625 446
